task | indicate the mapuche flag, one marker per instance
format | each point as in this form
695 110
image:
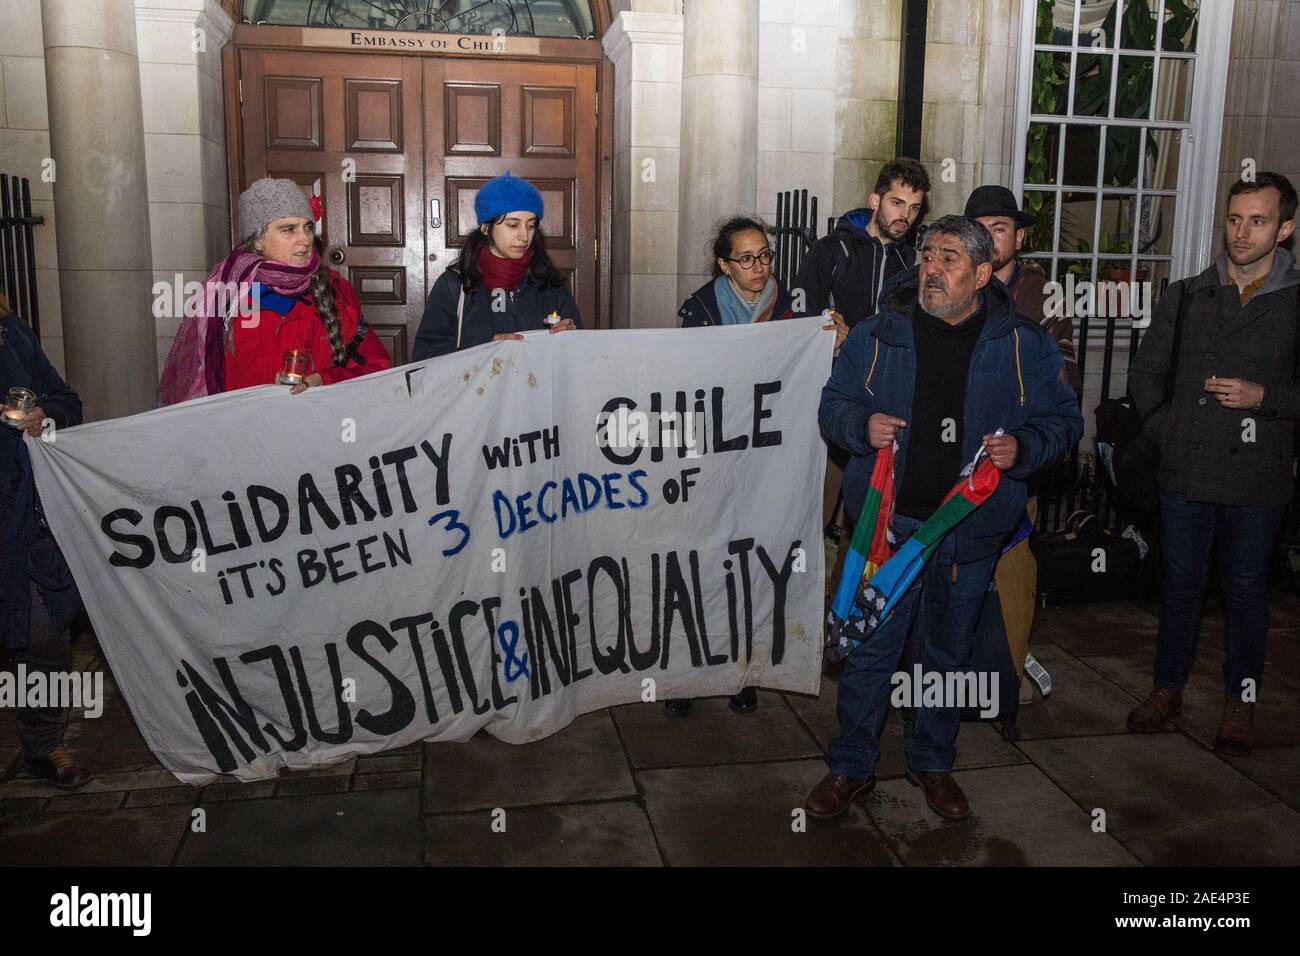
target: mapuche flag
873 581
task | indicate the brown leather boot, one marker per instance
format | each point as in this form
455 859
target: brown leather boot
941 793
1237 729
833 795
1150 715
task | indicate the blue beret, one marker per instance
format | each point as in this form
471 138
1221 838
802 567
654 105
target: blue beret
506 194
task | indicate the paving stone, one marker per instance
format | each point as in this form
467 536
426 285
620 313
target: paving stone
143 837
347 829
111 742
237 790
1108 627
741 815
303 786
587 834
26 786
169 796
818 713
386 781
1019 818
1277 716
1268 836
1082 702
22 805
584 761
1276 769
86 802
712 733
1146 783
389 763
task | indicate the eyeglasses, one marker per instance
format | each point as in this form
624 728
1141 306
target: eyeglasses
747 260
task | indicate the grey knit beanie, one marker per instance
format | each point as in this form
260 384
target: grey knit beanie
268 200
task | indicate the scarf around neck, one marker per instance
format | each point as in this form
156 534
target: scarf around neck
195 364
735 310
501 273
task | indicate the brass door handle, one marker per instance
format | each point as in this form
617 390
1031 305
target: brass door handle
337 256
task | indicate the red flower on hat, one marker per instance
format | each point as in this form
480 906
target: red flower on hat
317 204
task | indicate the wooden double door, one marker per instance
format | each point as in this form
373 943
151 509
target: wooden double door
399 146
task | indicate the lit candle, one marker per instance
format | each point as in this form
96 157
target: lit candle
553 318
18 405
294 367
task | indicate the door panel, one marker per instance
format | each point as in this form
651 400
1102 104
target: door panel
349 128
487 117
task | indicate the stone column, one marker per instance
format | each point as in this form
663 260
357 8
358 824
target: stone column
719 140
646 50
101 202
180 45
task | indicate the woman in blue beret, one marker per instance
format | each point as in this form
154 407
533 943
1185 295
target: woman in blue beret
504 283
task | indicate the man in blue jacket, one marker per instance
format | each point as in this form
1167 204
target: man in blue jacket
942 366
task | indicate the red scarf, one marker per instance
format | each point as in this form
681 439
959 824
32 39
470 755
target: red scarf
501 273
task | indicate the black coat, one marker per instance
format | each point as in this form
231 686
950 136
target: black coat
1208 452
701 307
847 269
525 310
23 363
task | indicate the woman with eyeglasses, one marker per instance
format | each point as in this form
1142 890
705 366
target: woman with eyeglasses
742 289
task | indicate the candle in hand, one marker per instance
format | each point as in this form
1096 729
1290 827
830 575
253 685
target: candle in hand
18 405
294 367
553 318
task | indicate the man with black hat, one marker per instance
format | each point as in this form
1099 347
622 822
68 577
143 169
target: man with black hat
994 207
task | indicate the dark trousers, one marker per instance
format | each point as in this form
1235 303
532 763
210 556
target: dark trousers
1245 536
41 728
945 612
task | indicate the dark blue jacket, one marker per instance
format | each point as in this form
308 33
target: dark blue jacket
1014 384
23 363
525 311
849 267
701 306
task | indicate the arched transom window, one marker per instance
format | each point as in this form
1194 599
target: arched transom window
529 18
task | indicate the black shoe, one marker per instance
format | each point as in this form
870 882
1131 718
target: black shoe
746 702
678 706
59 767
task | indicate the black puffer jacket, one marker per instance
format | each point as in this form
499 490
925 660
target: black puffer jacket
1208 452
848 268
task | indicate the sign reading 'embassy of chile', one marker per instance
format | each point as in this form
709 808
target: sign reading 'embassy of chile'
480 540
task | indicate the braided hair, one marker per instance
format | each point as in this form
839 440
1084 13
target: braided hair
322 296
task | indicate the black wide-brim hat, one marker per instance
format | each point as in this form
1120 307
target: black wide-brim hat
997 201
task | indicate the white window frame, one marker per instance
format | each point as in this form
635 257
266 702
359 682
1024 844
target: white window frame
1195 228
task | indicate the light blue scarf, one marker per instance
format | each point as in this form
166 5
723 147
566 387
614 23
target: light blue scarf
734 309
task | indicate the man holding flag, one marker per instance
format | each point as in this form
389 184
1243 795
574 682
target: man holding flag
968 398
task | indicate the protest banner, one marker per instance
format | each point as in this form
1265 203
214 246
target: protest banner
506 537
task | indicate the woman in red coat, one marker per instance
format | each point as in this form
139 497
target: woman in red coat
270 296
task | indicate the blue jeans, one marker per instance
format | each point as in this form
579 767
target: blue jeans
1245 535
945 613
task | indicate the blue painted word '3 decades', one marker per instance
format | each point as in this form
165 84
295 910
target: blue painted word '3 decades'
508 645
452 517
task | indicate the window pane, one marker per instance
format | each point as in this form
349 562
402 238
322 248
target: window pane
542 18
1055 22
1163 149
1122 151
1040 154
1133 87
1081 269
1078 220
1138 27
1181 25
1051 90
1082 150
1155 226
1038 237
1092 84
1174 101
1097 24
1115 229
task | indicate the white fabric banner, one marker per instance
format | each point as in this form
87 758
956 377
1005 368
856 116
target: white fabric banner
506 537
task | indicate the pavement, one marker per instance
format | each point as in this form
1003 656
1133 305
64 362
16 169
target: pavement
629 786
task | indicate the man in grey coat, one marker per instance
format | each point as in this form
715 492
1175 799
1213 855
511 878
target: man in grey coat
1225 438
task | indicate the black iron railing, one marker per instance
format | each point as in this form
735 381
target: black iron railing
18 249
